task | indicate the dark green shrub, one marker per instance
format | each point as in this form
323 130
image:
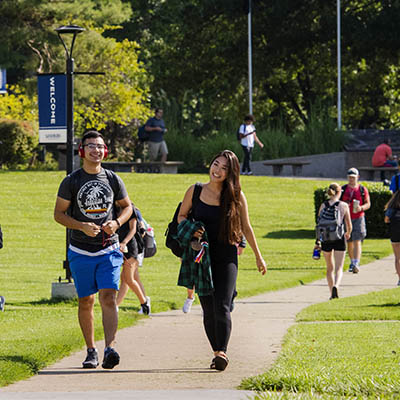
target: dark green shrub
18 142
379 196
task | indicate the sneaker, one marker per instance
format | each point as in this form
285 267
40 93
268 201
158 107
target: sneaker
92 359
144 309
148 304
356 270
334 293
111 358
2 302
250 173
351 267
187 305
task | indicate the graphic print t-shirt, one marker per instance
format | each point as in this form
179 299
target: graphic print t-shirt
92 200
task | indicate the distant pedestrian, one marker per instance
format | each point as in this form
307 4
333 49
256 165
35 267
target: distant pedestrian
357 197
220 219
392 217
383 157
155 126
130 274
87 204
248 136
335 251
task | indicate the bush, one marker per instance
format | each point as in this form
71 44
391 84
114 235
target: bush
379 196
18 142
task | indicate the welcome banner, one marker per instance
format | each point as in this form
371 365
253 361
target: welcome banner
52 101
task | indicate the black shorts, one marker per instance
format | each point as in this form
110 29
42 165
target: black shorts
132 249
338 245
395 237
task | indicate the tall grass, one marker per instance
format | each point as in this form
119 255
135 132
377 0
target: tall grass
195 143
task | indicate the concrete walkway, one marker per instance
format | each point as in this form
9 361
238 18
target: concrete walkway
166 356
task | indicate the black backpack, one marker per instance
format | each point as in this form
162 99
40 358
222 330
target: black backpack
143 135
329 229
238 133
172 229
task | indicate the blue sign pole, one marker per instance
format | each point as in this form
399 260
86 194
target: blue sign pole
52 99
3 81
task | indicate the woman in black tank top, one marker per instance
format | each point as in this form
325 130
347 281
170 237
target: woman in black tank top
222 208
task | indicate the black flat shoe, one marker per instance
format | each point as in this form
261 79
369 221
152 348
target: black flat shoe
212 365
221 362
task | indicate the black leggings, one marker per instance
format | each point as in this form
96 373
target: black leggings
216 307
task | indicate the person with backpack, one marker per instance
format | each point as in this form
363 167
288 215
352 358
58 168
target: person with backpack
357 197
86 204
221 210
392 217
131 245
247 136
333 228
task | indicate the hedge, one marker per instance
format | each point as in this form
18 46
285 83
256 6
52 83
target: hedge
379 196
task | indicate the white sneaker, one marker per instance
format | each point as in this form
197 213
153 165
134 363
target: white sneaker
141 311
187 305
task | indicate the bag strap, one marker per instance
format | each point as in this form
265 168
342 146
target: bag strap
198 187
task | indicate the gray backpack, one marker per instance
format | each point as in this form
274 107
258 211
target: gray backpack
328 228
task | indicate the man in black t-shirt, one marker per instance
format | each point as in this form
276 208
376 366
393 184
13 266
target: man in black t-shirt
156 128
86 204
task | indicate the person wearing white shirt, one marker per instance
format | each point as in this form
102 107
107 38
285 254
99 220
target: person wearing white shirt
248 137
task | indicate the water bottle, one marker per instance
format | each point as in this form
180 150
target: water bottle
316 254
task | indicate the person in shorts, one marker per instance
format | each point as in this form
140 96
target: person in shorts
155 126
86 204
392 217
335 251
130 269
357 197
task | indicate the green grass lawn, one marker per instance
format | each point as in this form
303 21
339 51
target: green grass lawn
36 331
348 358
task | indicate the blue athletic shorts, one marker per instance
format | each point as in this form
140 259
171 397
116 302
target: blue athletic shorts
92 273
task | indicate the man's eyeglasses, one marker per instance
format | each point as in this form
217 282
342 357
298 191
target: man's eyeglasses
93 146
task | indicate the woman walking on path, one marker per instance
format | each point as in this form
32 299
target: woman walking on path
130 274
392 217
335 251
222 210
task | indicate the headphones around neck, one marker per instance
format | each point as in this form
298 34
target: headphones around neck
81 151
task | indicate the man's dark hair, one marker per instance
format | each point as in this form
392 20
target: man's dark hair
92 134
157 109
249 117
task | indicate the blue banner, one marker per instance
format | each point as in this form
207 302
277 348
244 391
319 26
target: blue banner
3 81
52 99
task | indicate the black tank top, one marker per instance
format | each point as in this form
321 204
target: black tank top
210 216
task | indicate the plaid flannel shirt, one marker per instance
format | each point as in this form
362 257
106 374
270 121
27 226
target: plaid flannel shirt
192 273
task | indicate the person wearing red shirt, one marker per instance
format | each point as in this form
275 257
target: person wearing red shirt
383 157
357 198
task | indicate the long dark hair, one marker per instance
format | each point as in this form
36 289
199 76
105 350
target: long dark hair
394 201
230 224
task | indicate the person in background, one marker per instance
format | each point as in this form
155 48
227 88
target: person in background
248 136
335 251
392 217
383 157
155 126
222 212
130 274
357 197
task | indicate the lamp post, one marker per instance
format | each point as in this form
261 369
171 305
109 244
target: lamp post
250 57
339 68
69 30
